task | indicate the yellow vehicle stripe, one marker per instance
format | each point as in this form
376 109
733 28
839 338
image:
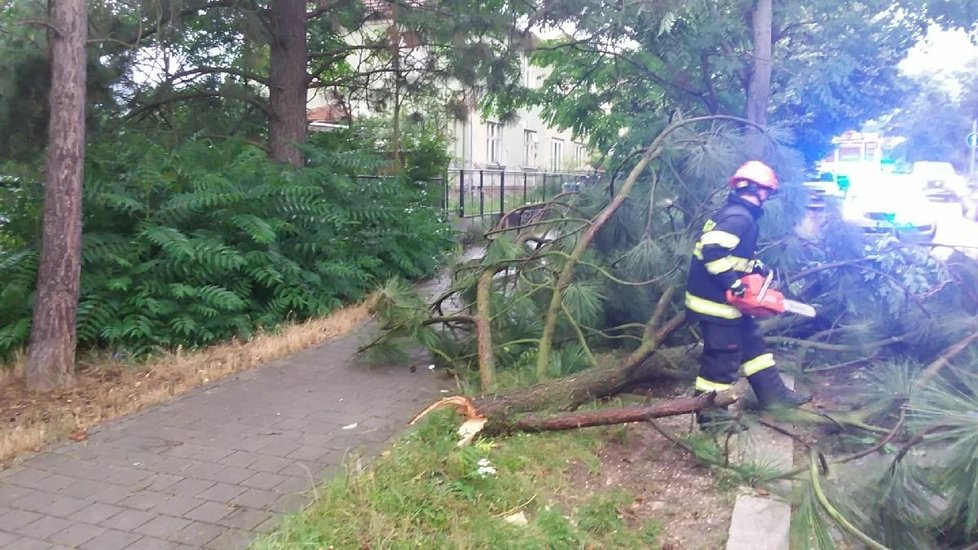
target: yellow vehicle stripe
702 384
713 309
758 364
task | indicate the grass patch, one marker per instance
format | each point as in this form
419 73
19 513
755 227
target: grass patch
426 493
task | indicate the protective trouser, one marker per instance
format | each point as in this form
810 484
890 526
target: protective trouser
728 350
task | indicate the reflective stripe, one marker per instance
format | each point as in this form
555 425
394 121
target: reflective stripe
758 364
713 309
702 384
722 238
725 263
719 266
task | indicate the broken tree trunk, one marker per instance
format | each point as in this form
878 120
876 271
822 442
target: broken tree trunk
594 383
542 422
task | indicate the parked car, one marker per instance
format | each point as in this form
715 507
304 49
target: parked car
888 204
824 187
939 180
969 203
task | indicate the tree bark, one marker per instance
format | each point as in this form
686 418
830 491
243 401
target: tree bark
759 89
620 415
288 81
51 352
590 384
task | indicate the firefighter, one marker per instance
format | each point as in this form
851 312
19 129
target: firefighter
725 252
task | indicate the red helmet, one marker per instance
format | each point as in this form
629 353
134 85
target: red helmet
756 172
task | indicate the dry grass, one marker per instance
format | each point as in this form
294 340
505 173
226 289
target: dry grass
107 388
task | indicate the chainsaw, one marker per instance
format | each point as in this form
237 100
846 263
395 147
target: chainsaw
760 300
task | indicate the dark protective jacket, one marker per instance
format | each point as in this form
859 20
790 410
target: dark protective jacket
725 251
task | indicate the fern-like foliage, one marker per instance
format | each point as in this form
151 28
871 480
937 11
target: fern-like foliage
212 241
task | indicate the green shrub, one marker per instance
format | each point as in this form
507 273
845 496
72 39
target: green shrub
212 241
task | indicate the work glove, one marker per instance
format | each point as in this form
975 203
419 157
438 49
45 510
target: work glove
761 268
738 288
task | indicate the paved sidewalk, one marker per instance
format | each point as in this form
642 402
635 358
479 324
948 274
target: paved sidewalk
217 466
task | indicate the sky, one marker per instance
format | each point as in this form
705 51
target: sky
940 54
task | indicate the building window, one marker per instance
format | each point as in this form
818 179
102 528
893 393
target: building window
494 134
530 141
556 154
527 71
580 155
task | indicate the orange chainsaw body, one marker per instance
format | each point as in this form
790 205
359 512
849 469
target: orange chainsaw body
760 300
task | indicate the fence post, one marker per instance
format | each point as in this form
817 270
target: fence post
544 196
461 193
482 194
502 192
524 187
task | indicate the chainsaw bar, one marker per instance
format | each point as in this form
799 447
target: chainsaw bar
799 308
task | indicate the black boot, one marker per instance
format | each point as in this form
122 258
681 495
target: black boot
773 393
717 419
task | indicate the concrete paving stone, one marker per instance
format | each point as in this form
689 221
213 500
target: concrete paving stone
245 518
231 539
268 463
35 501
7 538
76 534
28 477
279 447
162 482
298 484
175 465
162 526
190 487
27 543
144 500
12 520
263 480
95 513
43 527
289 503
64 506
49 462
240 459
128 520
111 494
53 483
308 453
222 492
204 470
10 493
229 474
248 444
198 534
268 525
86 470
200 452
209 512
111 539
178 505
82 489
152 543
256 498
126 476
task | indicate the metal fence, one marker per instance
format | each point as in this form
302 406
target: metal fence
471 193
476 193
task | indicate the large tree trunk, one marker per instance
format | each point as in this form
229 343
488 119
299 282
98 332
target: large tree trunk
51 353
288 81
590 384
759 89
602 417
